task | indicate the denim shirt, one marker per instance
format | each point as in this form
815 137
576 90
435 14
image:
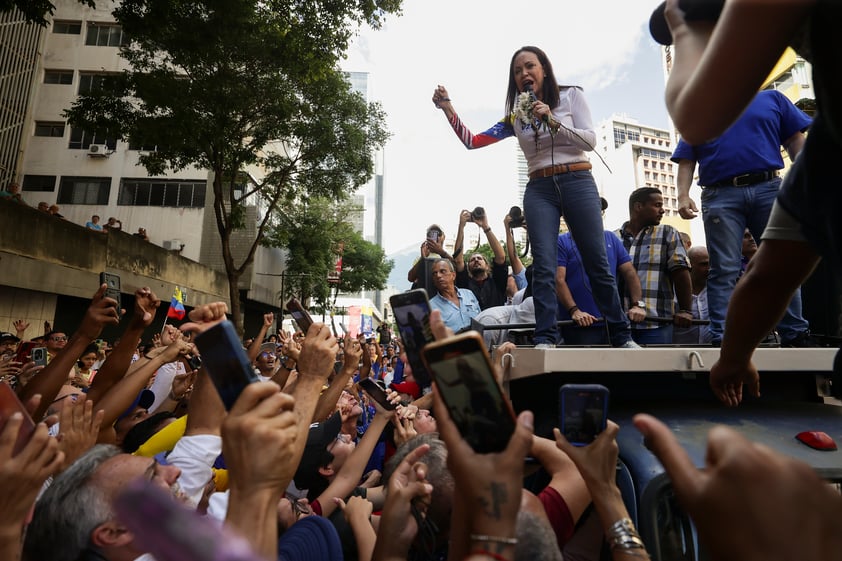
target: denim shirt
456 317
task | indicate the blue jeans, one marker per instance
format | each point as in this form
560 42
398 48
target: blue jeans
578 200
661 335
727 212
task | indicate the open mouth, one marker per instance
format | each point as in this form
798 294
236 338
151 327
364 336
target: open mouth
527 85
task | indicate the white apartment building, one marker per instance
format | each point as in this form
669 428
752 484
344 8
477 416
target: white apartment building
638 156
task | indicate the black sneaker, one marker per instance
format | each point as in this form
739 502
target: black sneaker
802 341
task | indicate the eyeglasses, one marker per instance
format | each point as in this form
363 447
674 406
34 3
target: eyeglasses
54 338
267 354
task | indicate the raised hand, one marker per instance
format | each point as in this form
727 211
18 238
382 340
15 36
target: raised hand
205 317
78 429
145 304
101 312
318 353
20 327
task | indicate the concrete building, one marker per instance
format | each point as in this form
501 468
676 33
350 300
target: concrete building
43 70
639 156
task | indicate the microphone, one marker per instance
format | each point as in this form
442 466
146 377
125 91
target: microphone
528 89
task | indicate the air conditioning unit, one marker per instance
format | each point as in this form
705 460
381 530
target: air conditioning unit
174 245
98 151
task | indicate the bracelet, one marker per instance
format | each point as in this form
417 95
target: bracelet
493 539
439 101
486 229
623 535
572 309
486 553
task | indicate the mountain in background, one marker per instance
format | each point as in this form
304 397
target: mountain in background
403 259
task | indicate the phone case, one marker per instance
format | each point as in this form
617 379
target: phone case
112 289
465 380
377 393
583 412
225 361
412 314
299 314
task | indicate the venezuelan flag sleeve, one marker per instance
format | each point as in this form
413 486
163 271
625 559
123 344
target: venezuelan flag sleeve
502 129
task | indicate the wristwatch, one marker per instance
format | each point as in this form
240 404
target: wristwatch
640 304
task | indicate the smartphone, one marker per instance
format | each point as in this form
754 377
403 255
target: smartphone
39 356
377 393
155 518
112 290
433 236
465 380
583 412
412 314
300 315
225 361
9 404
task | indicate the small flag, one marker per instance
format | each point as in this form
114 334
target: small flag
176 310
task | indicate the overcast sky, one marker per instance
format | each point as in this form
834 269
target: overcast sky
466 45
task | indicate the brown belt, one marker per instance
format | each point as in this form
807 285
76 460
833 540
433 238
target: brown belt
560 168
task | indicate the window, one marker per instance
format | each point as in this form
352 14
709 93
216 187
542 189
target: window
39 183
84 190
91 82
135 145
58 77
67 27
81 139
104 35
161 192
46 128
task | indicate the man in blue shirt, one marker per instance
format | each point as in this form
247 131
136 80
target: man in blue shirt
738 173
457 305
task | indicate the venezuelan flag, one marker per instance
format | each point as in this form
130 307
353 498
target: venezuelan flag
176 310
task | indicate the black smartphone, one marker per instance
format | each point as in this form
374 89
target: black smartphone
112 290
300 315
377 393
465 380
225 361
9 405
412 314
39 356
583 412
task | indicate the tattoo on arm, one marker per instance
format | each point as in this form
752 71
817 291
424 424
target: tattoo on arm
498 496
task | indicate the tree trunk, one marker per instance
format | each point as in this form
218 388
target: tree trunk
234 296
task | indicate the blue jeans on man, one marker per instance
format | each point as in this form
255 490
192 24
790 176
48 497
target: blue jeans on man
578 198
727 212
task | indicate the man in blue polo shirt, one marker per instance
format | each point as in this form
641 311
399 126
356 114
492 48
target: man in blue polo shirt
738 173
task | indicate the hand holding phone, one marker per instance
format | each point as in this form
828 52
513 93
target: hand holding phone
412 314
112 289
583 412
225 361
377 393
300 315
465 380
39 356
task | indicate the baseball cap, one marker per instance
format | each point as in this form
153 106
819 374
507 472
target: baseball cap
144 399
694 10
315 451
407 387
268 347
6 336
313 537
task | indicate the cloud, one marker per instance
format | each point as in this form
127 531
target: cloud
467 45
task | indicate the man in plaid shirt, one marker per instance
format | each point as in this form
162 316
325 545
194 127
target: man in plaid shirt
659 257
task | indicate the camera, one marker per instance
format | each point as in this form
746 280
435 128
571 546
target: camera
477 214
516 217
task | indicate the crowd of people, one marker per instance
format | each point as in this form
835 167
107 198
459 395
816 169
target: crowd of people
126 451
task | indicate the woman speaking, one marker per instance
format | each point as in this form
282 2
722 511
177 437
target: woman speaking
553 126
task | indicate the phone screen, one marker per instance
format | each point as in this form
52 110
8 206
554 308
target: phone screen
412 314
9 404
583 411
225 361
377 393
39 356
300 315
465 380
112 290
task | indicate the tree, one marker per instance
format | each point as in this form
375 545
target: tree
35 11
243 88
313 233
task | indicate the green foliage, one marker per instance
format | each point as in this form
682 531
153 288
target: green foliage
35 11
237 86
313 233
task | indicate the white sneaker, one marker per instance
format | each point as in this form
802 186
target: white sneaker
544 346
629 345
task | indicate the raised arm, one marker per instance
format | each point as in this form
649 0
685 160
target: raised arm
254 348
511 248
502 129
458 254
